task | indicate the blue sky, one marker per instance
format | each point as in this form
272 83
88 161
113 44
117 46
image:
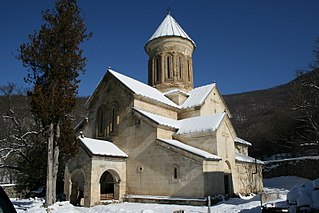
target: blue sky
243 45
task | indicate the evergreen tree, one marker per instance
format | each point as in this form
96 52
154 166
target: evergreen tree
55 60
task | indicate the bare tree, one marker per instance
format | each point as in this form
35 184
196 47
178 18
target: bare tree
306 103
19 131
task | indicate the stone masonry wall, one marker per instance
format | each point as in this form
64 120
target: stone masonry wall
306 167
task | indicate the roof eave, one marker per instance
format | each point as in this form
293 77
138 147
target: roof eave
192 153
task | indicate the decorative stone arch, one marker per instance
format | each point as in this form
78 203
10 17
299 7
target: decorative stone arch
77 183
110 185
227 168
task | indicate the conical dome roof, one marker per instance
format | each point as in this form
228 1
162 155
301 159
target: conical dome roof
170 27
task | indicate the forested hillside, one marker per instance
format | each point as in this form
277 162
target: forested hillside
272 120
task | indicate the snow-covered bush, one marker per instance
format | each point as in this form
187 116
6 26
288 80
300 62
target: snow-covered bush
304 197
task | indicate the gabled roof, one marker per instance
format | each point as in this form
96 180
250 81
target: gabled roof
197 124
142 89
242 141
170 27
197 96
190 149
137 88
176 91
101 147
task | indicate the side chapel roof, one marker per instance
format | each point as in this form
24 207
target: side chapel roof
193 150
102 147
196 124
170 27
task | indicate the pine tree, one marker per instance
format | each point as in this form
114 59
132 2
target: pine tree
55 60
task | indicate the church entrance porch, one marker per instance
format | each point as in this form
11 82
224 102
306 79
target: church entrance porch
109 185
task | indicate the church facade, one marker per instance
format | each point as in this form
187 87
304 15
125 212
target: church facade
166 139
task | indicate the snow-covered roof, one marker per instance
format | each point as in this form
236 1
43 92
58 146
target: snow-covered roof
101 147
191 149
142 89
242 141
170 27
189 125
176 91
197 96
160 119
200 124
247 159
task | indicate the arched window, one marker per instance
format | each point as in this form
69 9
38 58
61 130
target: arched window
175 173
101 121
169 66
175 176
113 114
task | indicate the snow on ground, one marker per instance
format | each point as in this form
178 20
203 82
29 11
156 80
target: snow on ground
283 183
233 205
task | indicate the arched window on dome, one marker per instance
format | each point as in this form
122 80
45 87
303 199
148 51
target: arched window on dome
157 69
180 67
169 67
188 70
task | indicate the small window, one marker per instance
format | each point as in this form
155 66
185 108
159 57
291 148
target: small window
137 122
140 169
175 173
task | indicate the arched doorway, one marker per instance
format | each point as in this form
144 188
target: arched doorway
77 183
109 185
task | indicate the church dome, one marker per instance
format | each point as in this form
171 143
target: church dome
170 27
170 52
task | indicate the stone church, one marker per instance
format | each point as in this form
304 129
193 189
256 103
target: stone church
165 140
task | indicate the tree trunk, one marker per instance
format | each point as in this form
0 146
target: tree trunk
55 160
49 184
55 171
